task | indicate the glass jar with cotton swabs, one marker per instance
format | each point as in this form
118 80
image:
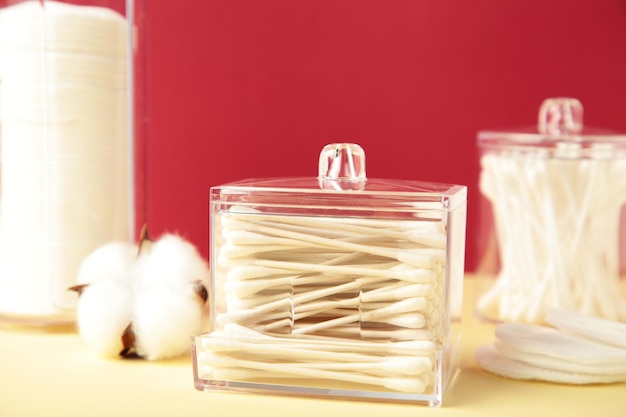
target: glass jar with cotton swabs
555 207
337 285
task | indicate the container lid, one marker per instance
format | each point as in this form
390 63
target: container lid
560 132
342 185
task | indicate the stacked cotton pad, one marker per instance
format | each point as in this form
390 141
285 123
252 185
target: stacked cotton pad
578 349
64 137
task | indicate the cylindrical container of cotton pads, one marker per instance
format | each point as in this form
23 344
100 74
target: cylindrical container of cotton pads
70 150
553 217
337 285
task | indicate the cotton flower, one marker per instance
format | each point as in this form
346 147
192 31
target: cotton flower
142 302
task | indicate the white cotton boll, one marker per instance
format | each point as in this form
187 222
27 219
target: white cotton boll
103 312
112 261
171 261
164 322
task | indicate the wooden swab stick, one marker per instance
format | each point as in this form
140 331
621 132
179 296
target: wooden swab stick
410 321
241 374
246 271
406 366
403 291
234 251
411 365
257 312
235 303
284 351
249 287
359 333
407 305
362 335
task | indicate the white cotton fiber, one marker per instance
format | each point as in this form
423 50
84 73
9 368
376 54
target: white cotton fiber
172 261
164 321
104 311
112 261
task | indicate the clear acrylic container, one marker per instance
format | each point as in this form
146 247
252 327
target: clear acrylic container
335 286
71 152
553 210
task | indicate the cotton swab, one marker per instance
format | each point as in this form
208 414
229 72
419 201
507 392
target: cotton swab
426 235
238 332
413 385
406 366
282 351
269 267
238 374
562 211
249 287
408 305
323 298
412 257
244 213
309 352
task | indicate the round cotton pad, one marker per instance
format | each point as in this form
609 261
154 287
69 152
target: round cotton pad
553 343
595 328
549 362
492 361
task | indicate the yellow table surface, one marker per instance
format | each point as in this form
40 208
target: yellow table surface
53 373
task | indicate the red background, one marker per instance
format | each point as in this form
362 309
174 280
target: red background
249 88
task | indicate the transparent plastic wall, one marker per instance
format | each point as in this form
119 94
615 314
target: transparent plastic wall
335 286
71 146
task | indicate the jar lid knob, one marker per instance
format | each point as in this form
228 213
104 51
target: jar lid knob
560 116
342 166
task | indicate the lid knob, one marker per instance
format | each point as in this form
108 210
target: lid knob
342 166
560 116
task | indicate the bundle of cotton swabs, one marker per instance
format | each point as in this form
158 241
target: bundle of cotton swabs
144 301
557 223
577 349
347 299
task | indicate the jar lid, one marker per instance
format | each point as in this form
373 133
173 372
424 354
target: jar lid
560 132
341 188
